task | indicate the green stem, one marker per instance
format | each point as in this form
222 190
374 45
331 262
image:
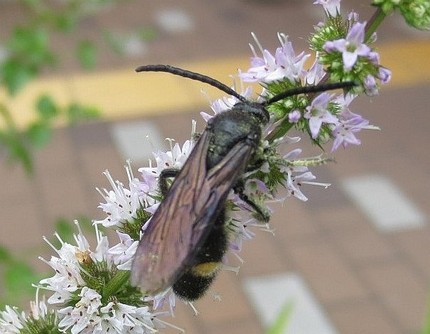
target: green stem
374 23
115 284
279 131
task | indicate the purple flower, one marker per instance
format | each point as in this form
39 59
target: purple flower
225 103
370 85
344 133
349 124
330 6
351 47
352 17
294 116
315 73
317 114
384 74
284 64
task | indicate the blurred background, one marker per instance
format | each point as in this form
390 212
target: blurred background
353 259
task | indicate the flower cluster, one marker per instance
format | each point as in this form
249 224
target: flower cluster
39 319
90 291
415 12
90 287
325 116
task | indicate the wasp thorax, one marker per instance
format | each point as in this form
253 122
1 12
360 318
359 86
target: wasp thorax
255 109
241 123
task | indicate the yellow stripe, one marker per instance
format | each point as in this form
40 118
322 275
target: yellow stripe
124 94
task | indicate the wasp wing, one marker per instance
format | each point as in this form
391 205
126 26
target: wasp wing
180 224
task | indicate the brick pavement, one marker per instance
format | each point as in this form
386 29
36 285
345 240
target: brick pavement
366 280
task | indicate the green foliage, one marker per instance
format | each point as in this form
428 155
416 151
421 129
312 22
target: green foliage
14 141
17 275
20 143
76 112
28 53
17 278
66 229
117 42
46 107
86 54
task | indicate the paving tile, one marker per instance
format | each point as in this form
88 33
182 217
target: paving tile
57 155
96 150
136 140
20 224
16 184
270 294
363 317
416 245
331 219
174 20
385 204
178 126
59 188
321 197
261 256
184 318
362 243
329 275
62 195
292 220
238 326
95 162
326 239
233 304
400 291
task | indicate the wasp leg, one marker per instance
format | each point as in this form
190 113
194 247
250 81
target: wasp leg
261 213
164 175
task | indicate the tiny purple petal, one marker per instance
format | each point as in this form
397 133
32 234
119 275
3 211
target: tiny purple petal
370 85
349 59
330 6
384 74
374 57
352 46
356 33
294 116
352 16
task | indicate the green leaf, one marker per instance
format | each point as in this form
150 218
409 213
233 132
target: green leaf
46 107
282 320
29 46
65 229
5 255
76 112
18 278
115 43
39 133
15 141
19 152
86 54
66 21
115 284
14 76
148 34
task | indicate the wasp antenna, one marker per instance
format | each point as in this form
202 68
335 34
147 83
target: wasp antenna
191 75
310 89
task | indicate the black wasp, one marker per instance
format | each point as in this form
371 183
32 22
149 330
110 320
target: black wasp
186 239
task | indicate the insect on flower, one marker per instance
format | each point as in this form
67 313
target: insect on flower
186 238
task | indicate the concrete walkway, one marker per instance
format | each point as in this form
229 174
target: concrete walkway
353 259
